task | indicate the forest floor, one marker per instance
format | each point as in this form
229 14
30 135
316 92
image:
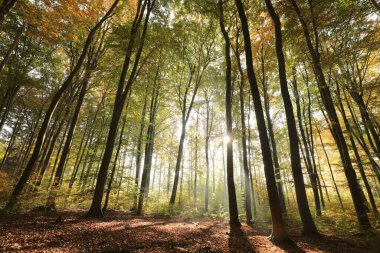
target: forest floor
125 232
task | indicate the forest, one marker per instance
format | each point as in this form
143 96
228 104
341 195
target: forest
189 126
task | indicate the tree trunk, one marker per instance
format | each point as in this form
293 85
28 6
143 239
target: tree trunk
207 144
368 122
7 103
329 164
139 149
278 226
178 163
11 142
249 149
50 148
149 147
247 190
233 209
123 90
87 143
271 135
196 160
110 181
303 207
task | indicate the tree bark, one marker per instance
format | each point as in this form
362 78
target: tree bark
278 226
233 209
303 207
139 149
329 165
149 147
110 181
271 135
247 190
207 145
11 142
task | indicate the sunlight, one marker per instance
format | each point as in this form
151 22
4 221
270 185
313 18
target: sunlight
226 139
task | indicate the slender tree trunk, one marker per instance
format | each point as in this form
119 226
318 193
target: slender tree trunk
31 138
207 144
360 139
322 178
8 102
88 142
247 190
310 141
50 148
331 172
271 135
10 143
278 226
249 149
178 163
233 209
149 147
368 122
110 181
139 149
196 160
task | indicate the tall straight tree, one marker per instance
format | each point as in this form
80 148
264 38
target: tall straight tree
309 227
278 226
53 104
271 131
247 190
149 146
336 129
144 7
208 129
234 214
139 147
